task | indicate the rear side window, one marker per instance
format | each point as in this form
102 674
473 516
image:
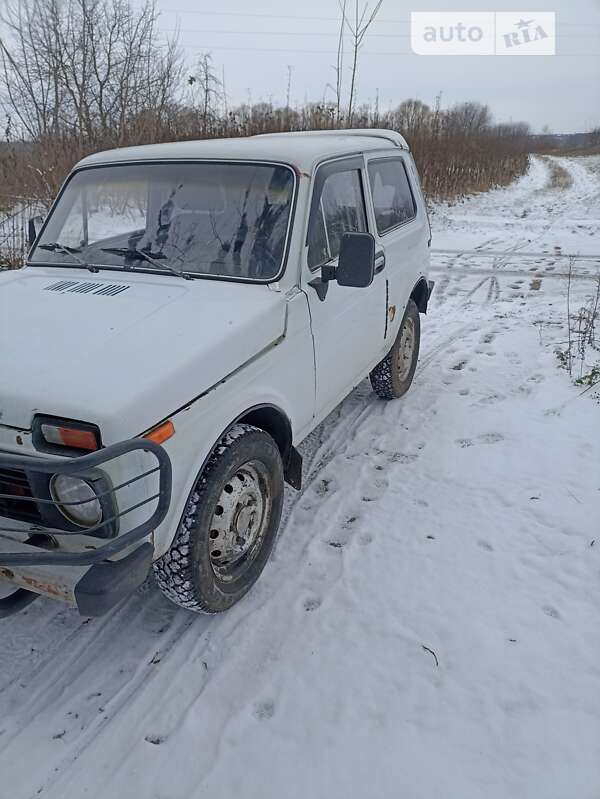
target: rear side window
392 195
339 209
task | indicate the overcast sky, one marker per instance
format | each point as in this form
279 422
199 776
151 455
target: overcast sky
254 43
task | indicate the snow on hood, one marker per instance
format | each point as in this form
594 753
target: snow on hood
123 358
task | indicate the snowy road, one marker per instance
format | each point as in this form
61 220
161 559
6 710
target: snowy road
428 625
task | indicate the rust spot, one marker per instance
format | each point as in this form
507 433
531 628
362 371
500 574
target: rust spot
41 587
7 573
300 173
391 312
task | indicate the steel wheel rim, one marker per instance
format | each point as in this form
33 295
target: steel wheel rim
240 520
406 348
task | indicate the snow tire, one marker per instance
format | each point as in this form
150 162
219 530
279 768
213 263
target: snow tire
185 573
392 376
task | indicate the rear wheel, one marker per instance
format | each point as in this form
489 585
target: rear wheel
229 524
392 376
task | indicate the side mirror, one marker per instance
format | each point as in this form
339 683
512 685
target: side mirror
356 261
33 228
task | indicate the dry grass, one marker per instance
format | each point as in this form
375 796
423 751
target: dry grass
560 179
452 160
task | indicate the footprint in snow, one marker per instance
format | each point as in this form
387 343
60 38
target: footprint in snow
323 487
490 438
464 442
312 604
491 399
550 611
486 438
403 457
264 710
552 412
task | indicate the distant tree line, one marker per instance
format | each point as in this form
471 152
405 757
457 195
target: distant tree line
77 76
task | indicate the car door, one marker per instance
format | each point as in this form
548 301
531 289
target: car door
348 324
402 230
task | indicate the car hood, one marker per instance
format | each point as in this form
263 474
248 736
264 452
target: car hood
123 350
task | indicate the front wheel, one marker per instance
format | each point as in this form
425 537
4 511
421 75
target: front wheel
392 376
229 524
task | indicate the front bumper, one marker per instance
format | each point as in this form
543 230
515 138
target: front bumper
88 577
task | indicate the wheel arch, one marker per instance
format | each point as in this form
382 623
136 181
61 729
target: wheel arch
273 421
276 423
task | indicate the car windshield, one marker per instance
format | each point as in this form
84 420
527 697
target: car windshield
221 219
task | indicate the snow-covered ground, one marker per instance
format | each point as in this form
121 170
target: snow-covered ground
429 623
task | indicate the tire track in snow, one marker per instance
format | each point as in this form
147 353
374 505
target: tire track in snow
88 645
333 439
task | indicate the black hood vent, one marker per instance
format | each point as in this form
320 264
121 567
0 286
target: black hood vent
82 287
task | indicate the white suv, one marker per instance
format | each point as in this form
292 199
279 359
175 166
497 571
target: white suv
188 314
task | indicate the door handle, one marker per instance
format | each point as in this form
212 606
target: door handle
379 262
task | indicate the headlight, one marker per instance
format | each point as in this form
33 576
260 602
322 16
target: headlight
65 489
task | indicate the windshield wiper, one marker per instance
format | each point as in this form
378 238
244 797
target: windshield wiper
54 246
142 255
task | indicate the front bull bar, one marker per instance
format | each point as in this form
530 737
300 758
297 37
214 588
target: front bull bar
107 581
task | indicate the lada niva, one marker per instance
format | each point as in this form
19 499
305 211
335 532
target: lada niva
187 315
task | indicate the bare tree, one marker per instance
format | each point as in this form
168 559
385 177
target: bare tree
288 93
85 67
339 65
358 28
207 92
410 116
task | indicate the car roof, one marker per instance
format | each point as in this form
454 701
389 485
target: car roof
300 149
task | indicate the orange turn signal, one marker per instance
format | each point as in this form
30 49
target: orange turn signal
161 433
70 437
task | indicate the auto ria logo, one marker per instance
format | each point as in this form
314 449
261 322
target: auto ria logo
483 32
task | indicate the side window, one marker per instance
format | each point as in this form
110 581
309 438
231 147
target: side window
392 196
340 209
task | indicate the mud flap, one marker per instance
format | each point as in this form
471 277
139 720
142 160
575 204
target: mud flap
293 469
